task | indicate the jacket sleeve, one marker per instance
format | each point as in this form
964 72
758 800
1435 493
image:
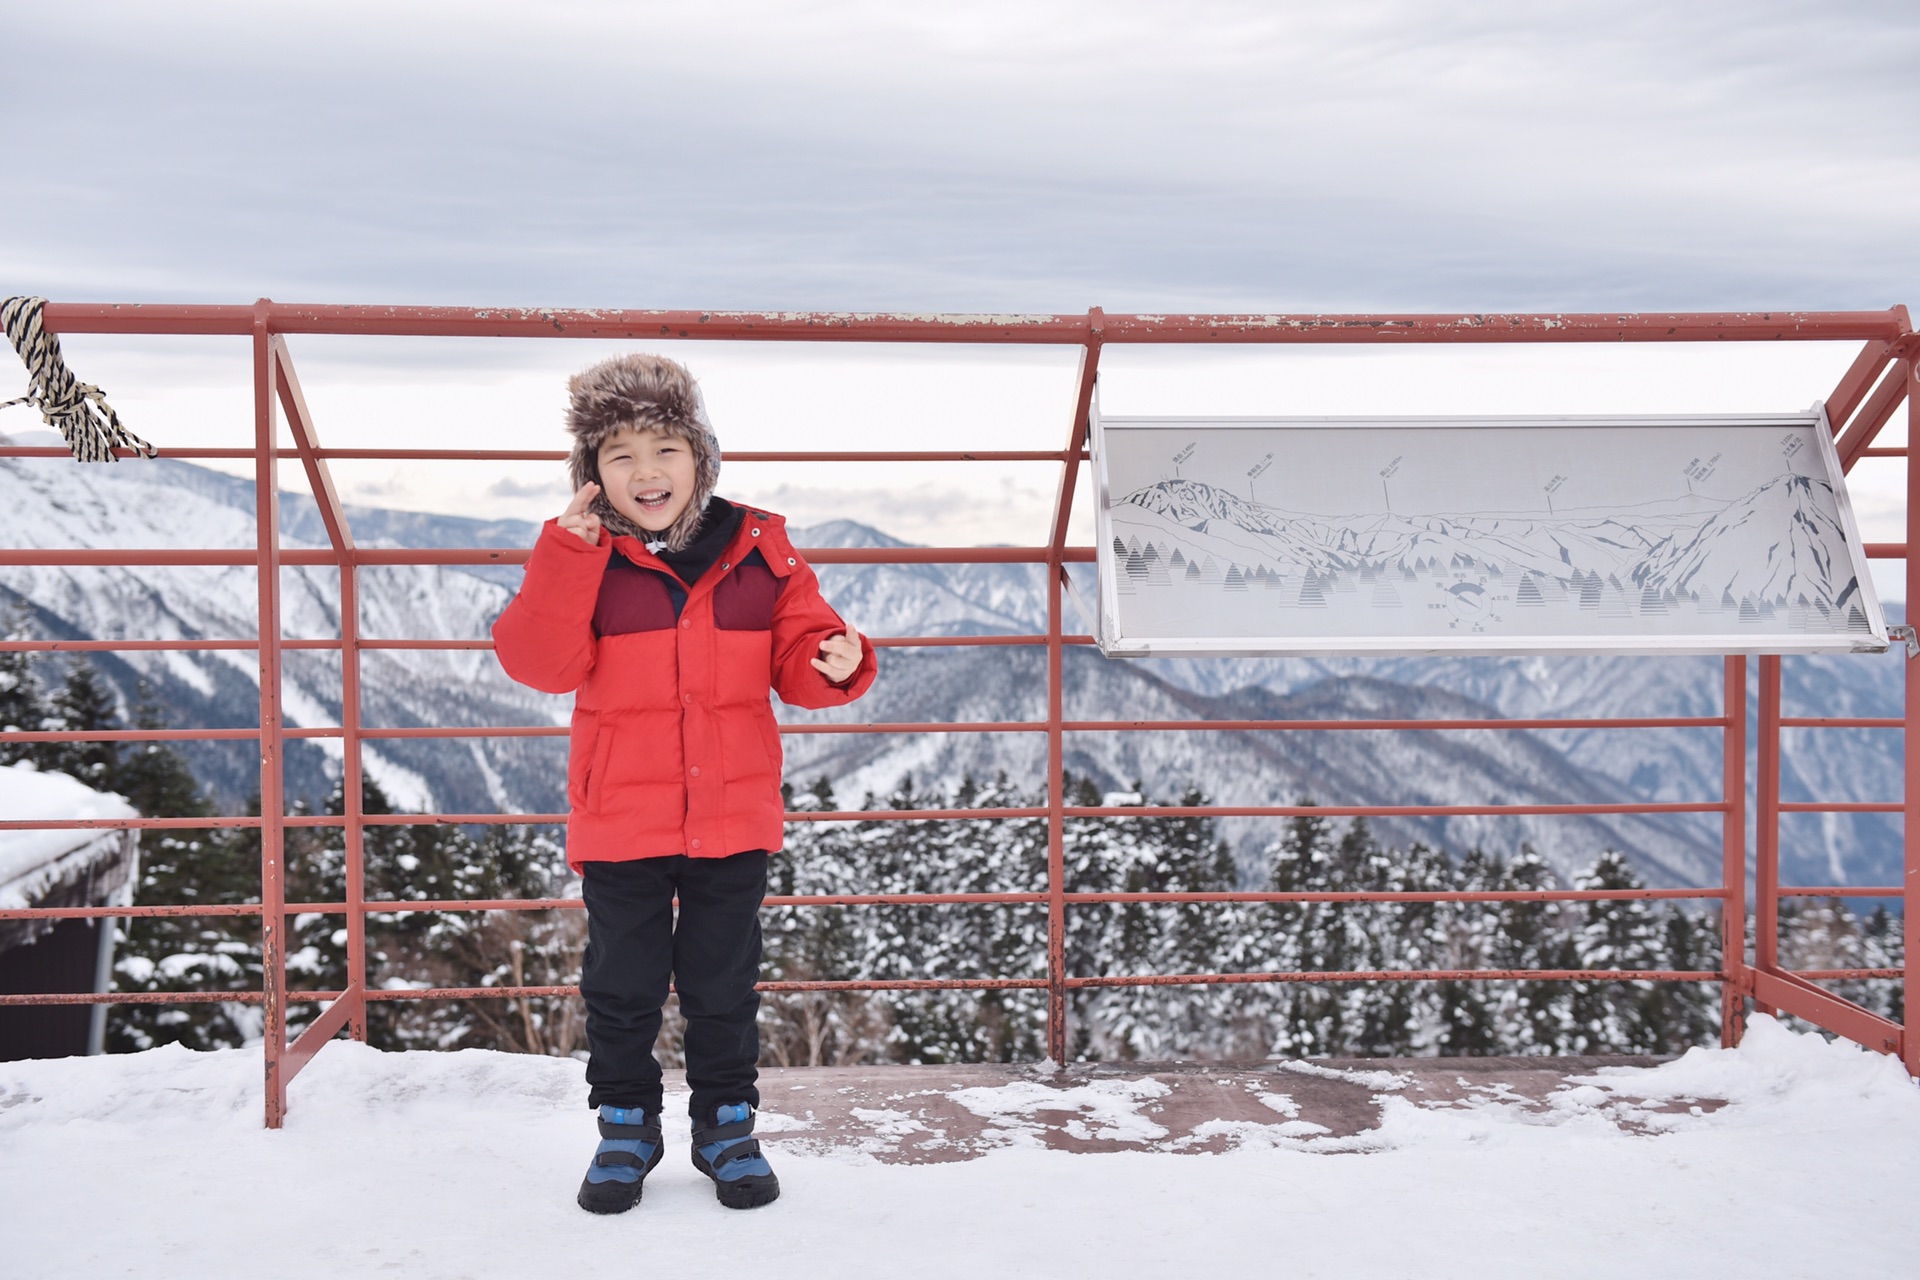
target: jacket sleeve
801 620
545 638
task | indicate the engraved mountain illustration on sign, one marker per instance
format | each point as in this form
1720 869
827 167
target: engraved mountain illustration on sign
1774 560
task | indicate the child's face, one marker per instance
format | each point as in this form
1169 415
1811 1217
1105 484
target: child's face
647 476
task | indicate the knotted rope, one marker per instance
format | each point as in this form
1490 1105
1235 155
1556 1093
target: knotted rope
77 410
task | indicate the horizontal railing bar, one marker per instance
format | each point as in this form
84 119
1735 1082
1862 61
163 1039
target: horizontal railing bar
1842 722
905 815
214 557
1406 895
169 910
1551 722
115 646
125 824
133 997
1382 811
1830 975
1841 891
1841 806
1886 550
1884 451
1038 329
930 726
1403 975
414 906
128 735
944 984
557 455
1861 326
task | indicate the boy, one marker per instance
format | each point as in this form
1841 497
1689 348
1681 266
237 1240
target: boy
672 612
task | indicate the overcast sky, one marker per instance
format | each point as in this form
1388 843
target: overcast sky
1029 155
1024 156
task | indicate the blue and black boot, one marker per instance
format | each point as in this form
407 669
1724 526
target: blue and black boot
726 1151
629 1148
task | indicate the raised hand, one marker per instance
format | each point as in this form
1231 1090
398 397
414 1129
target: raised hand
839 655
577 519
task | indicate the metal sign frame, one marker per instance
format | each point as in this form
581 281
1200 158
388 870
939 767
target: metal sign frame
1122 636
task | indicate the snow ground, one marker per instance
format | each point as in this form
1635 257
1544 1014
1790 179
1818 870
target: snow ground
465 1164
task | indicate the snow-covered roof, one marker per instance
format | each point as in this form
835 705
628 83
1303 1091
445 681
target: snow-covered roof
37 864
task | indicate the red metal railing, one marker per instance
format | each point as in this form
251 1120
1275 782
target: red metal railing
1886 372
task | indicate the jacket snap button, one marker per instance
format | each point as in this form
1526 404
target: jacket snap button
725 567
687 698
685 623
696 844
694 772
756 533
791 560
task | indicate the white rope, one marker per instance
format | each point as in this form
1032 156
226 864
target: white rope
77 410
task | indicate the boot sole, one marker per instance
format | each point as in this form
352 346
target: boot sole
734 1196
743 1193
610 1197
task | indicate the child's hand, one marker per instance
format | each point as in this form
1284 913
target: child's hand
839 655
577 519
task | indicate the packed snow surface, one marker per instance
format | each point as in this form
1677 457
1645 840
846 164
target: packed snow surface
465 1164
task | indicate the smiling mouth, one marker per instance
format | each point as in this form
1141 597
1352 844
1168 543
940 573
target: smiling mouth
653 499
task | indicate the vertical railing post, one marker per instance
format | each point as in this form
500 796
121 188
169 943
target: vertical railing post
1766 832
306 440
1910 838
1734 983
1089 372
351 802
273 885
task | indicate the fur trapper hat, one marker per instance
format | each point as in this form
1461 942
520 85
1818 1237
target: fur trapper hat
646 393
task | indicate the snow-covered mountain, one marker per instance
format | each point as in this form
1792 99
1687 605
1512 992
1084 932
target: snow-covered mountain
56 503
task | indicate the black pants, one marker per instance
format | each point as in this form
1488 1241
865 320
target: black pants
712 955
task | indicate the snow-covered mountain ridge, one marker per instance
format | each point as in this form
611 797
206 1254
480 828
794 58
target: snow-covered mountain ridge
56 503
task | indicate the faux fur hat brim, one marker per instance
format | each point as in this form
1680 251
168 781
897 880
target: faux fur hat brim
641 393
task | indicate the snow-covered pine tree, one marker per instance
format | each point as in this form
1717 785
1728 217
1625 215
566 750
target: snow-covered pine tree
1678 1015
1464 1022
23 702
1530 1016
84 704
815 943
1613 933
1883 946
1299 863
212 866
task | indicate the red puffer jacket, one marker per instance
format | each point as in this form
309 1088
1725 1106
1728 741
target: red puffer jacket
674 747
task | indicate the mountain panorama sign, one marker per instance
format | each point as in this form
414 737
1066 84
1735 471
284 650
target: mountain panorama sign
1256 536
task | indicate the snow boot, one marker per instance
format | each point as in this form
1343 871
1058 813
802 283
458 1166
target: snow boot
629 1148
726 1151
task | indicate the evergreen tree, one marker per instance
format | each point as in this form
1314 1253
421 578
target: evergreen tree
1532 1016
200 954
24 705
1465 1023
84 704
1678 1015
1614 933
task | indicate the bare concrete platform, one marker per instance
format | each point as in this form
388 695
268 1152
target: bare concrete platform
922 1114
